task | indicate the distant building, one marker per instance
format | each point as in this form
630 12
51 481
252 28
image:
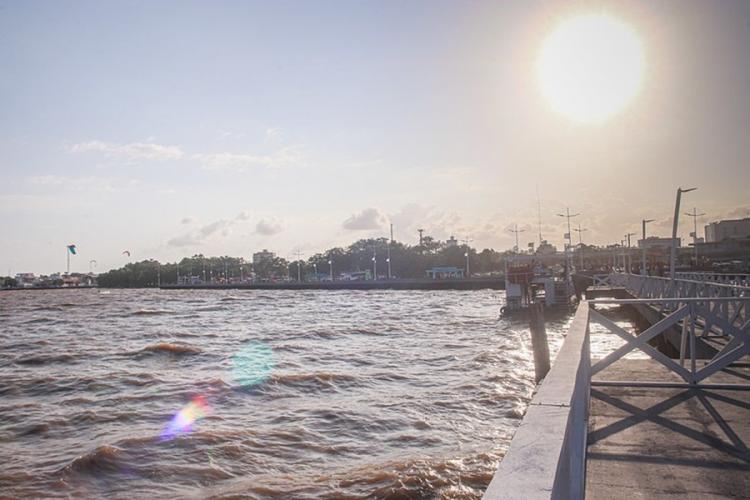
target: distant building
356 275
263 256
451 242
26 279
728 229
545 248
655 242
445 272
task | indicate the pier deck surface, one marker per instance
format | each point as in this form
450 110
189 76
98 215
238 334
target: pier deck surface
646 442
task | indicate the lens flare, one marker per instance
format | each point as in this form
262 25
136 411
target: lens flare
252 364
183 421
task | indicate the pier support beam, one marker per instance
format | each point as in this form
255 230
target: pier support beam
539 340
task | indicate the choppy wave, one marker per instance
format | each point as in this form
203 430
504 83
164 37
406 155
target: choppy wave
102 460
42 359
169 348
151 312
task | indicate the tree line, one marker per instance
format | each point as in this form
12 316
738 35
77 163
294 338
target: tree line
407 261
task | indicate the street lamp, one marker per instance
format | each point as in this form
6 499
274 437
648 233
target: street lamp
673 250
374 264
466 254
388 258
643 256
330 265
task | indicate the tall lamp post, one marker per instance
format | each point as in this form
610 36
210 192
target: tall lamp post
643 254
673 249
374 263
330 265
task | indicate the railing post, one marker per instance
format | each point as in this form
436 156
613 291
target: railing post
683 342
693 356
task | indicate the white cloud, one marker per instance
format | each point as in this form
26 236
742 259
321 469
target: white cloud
130 151
210 229
369 218
151 151
185 240
243 162
87 183
269 227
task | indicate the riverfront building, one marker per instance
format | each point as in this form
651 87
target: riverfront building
263 256
728 229
655 242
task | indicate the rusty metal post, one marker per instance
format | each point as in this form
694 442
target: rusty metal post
539 340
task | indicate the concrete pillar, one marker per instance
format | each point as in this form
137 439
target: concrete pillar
539 340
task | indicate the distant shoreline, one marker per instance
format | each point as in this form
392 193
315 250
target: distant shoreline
412 284
497 283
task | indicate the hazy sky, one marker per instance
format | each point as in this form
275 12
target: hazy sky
175 128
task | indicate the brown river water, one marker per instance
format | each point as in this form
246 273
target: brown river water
302 394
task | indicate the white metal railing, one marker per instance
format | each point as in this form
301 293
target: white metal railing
737 279
656 287
694 317
547 456
651 287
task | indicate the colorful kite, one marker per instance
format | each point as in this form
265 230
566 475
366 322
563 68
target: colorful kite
72 249
126 252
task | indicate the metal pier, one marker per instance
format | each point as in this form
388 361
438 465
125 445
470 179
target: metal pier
663 427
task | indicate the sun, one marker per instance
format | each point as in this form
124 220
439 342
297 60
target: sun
591 67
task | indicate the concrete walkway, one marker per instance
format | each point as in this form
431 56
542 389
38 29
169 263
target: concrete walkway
668 442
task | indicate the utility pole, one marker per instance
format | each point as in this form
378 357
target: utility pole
643 255
627 265
374 263
695 216
516 231
580 242
567 255
539 213
421 248
467 241
299 254
330 265
675 221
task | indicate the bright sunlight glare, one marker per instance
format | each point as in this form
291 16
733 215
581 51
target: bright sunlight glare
590 67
